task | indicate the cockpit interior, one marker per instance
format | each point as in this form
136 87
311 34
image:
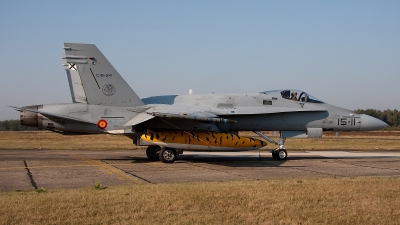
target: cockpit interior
294 95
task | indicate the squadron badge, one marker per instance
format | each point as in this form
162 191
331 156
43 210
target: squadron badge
108 89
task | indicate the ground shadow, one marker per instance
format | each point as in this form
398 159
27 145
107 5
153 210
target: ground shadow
233 161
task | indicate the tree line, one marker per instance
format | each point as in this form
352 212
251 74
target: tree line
14 125
391 117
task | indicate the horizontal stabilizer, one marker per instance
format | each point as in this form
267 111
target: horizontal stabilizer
54 115
140 118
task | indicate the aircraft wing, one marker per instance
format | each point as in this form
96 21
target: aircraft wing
188 113
263 110
216 112
54 115
209 114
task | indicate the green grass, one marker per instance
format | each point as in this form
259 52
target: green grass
98 186
291 201
49 140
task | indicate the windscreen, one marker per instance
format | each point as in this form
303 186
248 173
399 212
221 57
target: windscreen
294 95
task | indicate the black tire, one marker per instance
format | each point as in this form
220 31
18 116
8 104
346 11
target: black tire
280 154
152 152
275 155
168 155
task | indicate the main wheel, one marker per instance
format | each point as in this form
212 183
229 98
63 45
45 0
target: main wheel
152 152
275 155
280 154
168 155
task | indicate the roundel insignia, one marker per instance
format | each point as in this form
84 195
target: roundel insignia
102 124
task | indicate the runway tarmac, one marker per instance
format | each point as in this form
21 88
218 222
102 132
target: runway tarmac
32 169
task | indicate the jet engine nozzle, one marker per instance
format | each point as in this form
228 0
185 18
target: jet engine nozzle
31 119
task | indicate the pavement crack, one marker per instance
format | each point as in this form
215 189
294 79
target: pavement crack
28 171
101 164
127 173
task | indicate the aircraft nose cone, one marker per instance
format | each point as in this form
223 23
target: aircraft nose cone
371 123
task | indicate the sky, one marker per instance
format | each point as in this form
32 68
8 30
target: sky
346 53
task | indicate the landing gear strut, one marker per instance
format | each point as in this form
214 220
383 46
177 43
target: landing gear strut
280 153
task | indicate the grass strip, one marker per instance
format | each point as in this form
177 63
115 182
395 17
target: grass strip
54 141
290 201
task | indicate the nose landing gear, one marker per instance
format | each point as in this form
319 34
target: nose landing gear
279 153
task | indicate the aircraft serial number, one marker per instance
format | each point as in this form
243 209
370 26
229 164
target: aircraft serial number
346 121
103 75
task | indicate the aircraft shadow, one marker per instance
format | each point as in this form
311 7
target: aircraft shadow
234 161
243 161
229 161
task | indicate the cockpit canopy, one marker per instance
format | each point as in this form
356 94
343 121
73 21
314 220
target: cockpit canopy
294 95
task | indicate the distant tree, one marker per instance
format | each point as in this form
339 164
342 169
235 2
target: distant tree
391 117
14 125
5 125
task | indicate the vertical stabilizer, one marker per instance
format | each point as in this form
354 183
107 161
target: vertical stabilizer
93 80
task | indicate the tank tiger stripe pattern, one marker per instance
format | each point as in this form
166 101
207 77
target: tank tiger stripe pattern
202 138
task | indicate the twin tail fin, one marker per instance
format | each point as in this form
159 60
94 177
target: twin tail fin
93 80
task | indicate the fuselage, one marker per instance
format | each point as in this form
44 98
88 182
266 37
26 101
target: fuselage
252 112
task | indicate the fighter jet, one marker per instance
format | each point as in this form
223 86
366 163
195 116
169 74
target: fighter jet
103 103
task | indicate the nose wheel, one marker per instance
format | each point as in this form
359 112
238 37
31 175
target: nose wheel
279 154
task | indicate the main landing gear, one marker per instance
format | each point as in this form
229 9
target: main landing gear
168 155
280 153
152 152
165 155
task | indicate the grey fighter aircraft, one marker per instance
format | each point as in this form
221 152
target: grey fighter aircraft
103 103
